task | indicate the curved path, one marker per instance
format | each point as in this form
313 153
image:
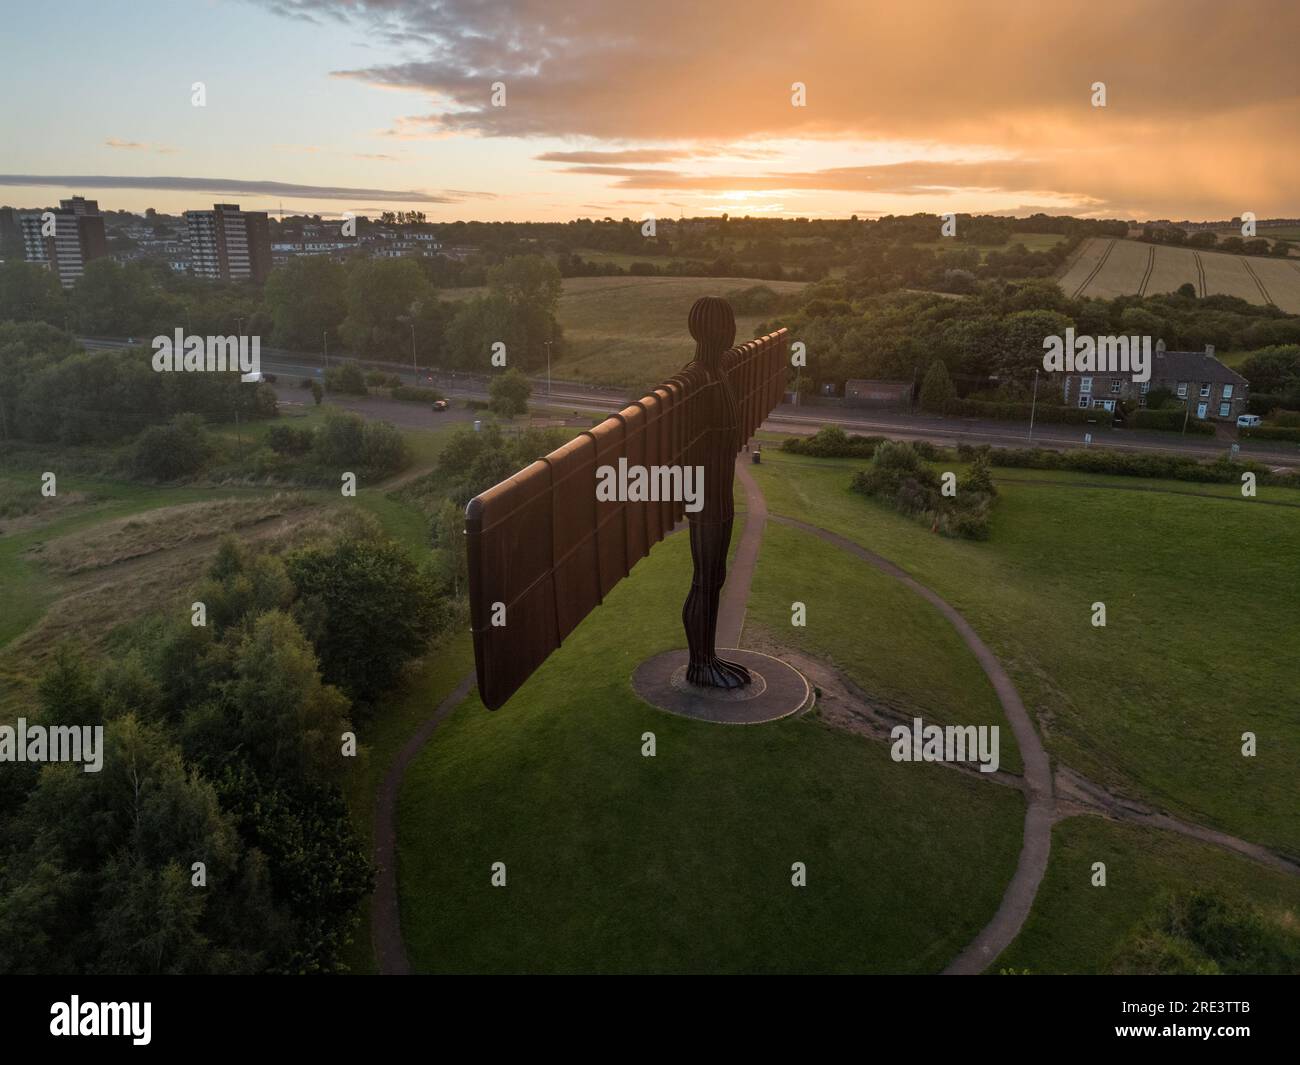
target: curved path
385 919
1040 809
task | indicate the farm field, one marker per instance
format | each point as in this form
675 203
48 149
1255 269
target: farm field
1107 268
629 330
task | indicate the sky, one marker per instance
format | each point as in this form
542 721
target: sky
556 109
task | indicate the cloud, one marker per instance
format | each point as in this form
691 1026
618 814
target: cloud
137 146
1186 122
237 187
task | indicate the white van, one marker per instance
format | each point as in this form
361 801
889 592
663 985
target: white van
1247 421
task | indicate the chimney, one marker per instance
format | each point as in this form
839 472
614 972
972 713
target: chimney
1209 350
1160 346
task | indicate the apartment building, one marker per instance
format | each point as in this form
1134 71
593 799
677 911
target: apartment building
64 240
227 244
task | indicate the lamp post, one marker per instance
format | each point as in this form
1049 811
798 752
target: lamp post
548 369
1033 407
410 320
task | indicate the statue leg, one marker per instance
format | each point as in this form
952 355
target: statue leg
709 543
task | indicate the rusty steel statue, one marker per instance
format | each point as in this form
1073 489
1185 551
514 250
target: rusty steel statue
545 547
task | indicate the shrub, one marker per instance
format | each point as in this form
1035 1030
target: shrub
1042 412
286 440
340 439
376 378
1272 432
178 449
1170 421
898 476
979 478
306 382
346 377
384 448
419 395
317 393
832 442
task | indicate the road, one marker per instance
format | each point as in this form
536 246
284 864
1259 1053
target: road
587 399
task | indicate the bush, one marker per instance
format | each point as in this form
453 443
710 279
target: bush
1170 421
340 440
1272 432
384 448
1019 412
306 382
346 377
178 449
979 478
286 440
832 442
419 395
317 393
376 378
899 477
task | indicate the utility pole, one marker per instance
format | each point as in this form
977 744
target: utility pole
1033 407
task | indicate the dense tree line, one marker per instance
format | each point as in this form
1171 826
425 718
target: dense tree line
998 331
223 745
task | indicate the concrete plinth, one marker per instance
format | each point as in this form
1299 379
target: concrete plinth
776 691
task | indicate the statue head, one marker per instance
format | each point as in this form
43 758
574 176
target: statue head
713 325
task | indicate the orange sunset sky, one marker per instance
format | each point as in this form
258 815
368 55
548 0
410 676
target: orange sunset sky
627 108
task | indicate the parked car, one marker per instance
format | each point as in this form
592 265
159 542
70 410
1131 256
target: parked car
1247 421
439 405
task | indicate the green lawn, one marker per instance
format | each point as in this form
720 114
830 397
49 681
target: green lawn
1201 627
1075 927
884 636
682 862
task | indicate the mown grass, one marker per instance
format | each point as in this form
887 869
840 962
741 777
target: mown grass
1199 642
1076 928
682 862
889 641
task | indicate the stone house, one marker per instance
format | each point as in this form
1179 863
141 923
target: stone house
1214 392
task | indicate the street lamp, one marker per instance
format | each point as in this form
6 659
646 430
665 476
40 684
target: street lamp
548 369
405 320
1032 408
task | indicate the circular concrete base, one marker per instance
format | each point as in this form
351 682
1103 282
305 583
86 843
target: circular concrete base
776 691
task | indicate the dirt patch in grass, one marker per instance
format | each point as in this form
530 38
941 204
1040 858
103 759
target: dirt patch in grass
161 530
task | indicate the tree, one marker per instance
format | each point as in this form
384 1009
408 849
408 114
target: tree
367 609
379 293
448 535
508 393
167 452
30 293
937 388
306 299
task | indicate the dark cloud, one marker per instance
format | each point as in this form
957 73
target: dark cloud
237 187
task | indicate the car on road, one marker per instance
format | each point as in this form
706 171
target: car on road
1247 421
439 405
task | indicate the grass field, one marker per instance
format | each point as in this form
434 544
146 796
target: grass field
632 330
1155 702
1074 927
682 862
1106 268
